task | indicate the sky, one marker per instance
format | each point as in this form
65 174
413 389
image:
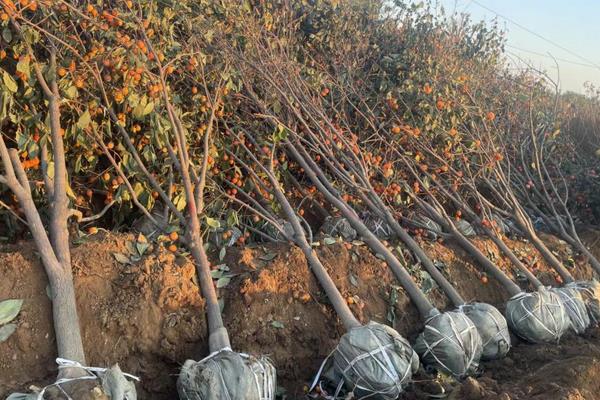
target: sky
573 25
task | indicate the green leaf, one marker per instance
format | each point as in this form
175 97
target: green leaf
268 256
7 34
121 258
277 324
84 120
142 247
9 309
131 247
22 396
216 273
138 189
329 241
141 107
232 218
222 253
148 109
223 281
23 66
71 92
70 192
428 283
9 82
180 202
6 331
213 223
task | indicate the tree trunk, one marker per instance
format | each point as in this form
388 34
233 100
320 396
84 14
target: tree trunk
337 300
526 226
64 307
218 337
413 246
551 258
489 266
470 248
579 245
588 254
333 294
59 232
66 320
513 258
415 294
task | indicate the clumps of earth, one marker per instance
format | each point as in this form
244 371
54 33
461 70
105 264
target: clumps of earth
145 312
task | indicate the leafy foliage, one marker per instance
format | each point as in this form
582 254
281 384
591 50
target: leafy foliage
404 73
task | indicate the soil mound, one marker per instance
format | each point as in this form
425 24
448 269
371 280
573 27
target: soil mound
146 314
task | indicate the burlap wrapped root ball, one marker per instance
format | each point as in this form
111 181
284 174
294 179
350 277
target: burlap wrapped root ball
451 344
590 293
227 375
575 307
537 317
492 328
372 361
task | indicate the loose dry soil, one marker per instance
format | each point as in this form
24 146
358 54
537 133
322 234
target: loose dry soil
149 317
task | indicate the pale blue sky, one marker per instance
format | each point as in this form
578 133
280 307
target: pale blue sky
572 24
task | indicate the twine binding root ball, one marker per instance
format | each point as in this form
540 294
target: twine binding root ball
492 328
226 374
450 340
371 361
590 293
338 226
575 307
490 324
538 317
451 343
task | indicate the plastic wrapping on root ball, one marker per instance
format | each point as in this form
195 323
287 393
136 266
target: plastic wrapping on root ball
492 328
227 375
371 361
274 233
575 306
377 225
590 293
465 228
338 226
450 343
431 227
537 317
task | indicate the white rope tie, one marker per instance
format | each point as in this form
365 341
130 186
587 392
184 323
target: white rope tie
499 330
528 314
266 371
387 367
457 338
572 309
590 296
379 226
94 373
261 370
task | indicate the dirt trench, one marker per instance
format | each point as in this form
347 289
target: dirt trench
148 317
